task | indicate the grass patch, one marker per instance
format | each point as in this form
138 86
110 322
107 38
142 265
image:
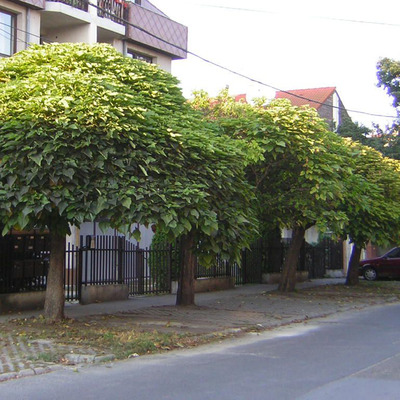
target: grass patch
45 357
102 334
378 289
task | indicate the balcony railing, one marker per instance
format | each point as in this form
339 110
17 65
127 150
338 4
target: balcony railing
116 10
79 4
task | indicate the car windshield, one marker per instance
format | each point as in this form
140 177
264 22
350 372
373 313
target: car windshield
394 253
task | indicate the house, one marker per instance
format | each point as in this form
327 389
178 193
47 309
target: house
136 28
325 100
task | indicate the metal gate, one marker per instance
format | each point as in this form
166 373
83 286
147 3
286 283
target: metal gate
328 254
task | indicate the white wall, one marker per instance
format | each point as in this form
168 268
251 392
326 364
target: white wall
79 33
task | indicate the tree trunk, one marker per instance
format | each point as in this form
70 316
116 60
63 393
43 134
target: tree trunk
55 297
352 271
288 276
185 295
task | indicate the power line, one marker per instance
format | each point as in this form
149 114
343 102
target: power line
6 35
288 92
235 72
122 20
309 16
20 30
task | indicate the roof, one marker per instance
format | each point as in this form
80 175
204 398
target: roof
241 98
313 97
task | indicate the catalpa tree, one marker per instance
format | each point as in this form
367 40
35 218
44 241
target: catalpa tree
371 203
88 134
294 162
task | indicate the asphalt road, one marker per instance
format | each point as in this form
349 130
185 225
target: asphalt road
350 356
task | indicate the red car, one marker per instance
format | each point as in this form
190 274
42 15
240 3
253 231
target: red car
386 266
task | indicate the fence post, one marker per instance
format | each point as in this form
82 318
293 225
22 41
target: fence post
244 265
79 271
121 248
140 270
169 268
228 271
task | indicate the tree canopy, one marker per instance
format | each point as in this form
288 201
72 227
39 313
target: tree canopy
387 139
371 202
389 78
88 134
294 161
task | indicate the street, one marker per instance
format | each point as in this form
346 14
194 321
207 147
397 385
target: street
354 355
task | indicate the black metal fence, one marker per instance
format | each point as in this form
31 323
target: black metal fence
221 268
104 260
314 258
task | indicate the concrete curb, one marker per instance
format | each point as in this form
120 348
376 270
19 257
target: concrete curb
29 372
74 359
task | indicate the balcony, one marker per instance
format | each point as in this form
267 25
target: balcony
115 10
73 20
174 35
79 4
36 4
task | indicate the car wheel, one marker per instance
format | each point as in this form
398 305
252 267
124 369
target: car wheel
370 274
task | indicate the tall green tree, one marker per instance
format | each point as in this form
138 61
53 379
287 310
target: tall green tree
354 130
88 134
388 73
371 202
387 139
372 195
294 162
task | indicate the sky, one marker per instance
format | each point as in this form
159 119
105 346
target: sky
290 44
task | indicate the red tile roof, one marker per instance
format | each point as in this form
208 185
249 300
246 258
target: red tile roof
240 98
313 97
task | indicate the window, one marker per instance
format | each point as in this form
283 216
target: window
7 34
394 253
138 56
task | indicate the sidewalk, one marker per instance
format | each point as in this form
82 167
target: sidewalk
74 310
250 307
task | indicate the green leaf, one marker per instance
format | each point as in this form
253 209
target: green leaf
136 234
127 202
143 170
37 158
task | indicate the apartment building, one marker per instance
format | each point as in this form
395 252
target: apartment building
136 28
